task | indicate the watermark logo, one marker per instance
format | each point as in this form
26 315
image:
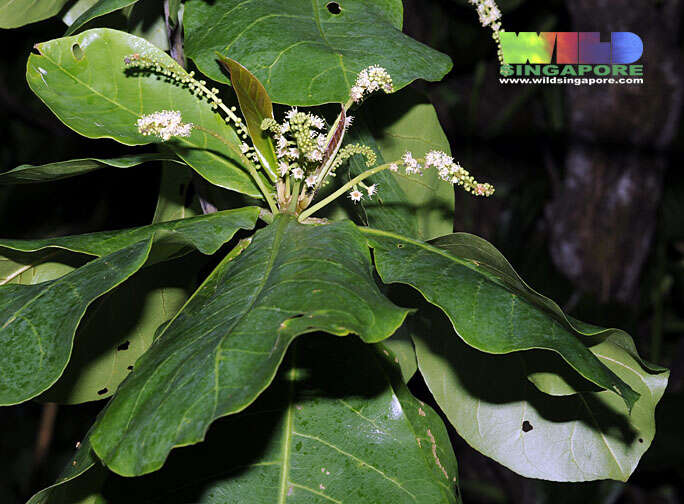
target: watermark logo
571 58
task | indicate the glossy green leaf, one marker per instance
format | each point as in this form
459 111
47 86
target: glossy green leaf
174 191
24 268
29 174
486 312
101 8
206 233
493 405
225 345
84 81
303 53
416 206
16 13
38 321
401 346
319 434
120 327
256 106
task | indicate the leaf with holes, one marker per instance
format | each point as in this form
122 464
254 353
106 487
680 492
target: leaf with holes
224 347
39 321
29 174
255 106
308 52
84 81
14 14
120 327
487 313
494 406
318 434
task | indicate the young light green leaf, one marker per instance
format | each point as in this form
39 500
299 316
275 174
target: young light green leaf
38 321
485 310
302 51
319 434
14 14
491 402
101 8
225 345
83 79
256 106
29 174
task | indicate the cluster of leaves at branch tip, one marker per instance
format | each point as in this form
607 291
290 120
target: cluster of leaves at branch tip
307 152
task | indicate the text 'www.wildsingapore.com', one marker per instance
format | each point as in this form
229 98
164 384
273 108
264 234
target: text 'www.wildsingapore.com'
581 58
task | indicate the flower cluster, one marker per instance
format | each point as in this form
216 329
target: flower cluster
448 170
490 15
164 124
370 80
300 144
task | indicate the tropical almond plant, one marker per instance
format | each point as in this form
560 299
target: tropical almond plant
280 375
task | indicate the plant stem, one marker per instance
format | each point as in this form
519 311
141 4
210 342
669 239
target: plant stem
250 167
342 190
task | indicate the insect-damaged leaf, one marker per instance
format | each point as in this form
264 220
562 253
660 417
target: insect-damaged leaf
320 433
224 347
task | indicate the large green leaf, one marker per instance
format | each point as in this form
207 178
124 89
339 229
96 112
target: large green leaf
255 105
417 206
39 321
120 327
174 191
84 81
225 345
15 13
488 312
206 233
303 53
29 174
499 412
101 8
336 429
26 268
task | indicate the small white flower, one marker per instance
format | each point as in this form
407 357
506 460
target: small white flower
321 142
315 155
393 167
292 153
310 181
285 127
348 122
298 173
244 148
284 168
291 113
356 195
316 121
372 189
356 93
282 143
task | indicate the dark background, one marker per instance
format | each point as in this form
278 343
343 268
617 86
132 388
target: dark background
589 209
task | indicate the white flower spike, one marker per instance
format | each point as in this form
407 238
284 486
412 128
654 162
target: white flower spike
164 124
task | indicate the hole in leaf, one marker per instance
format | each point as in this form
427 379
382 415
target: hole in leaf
334 8
400 245
641 440
130 368
102 392
77 52
124 345
527 426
